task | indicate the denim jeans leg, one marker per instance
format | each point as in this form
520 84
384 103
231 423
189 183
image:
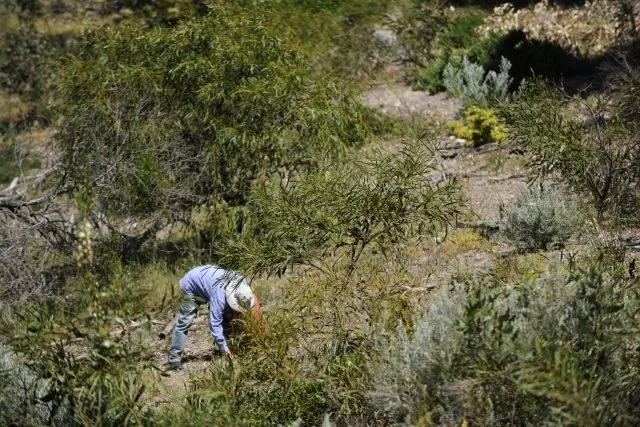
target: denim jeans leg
188 311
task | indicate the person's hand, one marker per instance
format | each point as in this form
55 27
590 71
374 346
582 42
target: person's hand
229 354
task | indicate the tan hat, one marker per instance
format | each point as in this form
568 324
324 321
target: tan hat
239 295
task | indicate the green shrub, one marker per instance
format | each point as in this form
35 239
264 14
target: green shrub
540 218
354 205
197 112
590 145
551 350
24 63
87 355
417 25
481 126
430 77
478 49
461 31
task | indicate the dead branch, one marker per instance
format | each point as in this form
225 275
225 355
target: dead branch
167 329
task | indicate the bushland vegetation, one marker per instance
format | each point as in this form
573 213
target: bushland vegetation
143 137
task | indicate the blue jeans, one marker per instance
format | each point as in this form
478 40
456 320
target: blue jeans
188 310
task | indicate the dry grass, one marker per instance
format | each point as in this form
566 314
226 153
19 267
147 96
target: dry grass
56 27
464 240
159 285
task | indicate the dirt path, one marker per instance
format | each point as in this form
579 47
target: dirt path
172 387
401 101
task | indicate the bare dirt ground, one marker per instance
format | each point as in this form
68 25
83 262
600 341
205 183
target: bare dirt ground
401 101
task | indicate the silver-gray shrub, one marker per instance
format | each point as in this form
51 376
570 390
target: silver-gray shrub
471 82
23 397
557 349
540 218
416 368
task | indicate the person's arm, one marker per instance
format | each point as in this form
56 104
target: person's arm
257 318
216 314
256 313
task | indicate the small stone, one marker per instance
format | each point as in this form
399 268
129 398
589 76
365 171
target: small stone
387 37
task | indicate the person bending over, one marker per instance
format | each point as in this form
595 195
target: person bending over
228 295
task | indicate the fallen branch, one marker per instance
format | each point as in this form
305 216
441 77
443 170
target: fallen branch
167 329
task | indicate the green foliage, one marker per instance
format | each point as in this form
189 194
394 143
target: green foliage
481 126
197 112
157 12
474 85
86 353
556 349
459 34
485 51
430 77
461 31
476 48
591 145
372 202
24 63
540 218
417 26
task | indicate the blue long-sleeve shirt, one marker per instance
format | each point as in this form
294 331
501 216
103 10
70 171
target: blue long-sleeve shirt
207 282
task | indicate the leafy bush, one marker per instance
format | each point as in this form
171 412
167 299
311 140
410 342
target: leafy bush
590 145
417 25
430 77
195 113
554 349
88 356
473 84
461 31
24 67
540 218
481 126
355 205
478 49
